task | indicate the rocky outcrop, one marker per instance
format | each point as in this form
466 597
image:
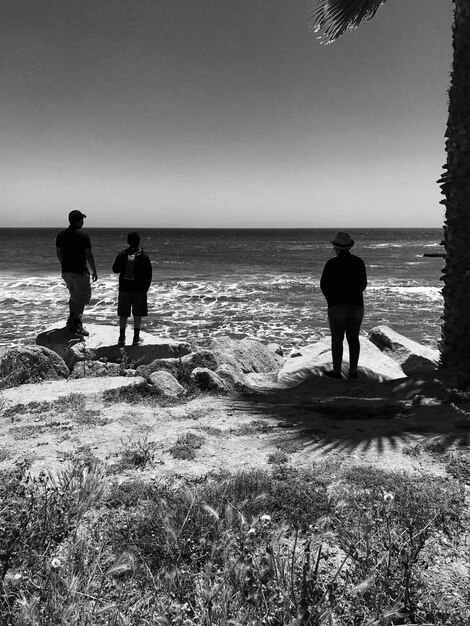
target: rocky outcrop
165 384
30 364
413 357
102 344
245 355
313 360
228 362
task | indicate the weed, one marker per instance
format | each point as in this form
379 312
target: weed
5 454
137 453
254 427
414 451
282 547
82 455
278 457
211 430
458 466
436 447
186 446
91 417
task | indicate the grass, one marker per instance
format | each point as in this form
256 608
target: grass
137 453
278 457
252 428
280 547
186 446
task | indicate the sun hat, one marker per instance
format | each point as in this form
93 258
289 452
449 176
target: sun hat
75 215
343 241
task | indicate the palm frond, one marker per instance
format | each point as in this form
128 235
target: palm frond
333 17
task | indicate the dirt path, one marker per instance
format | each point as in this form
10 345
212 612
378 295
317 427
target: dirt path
394 425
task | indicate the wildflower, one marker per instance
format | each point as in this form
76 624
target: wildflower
388 497
17 576
252 531
266 519
56 563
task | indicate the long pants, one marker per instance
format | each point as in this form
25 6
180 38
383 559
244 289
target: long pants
345 318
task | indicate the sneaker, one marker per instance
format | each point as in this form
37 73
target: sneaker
121 341
138 342
333 374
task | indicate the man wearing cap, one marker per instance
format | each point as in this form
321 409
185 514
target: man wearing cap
74 252
342 282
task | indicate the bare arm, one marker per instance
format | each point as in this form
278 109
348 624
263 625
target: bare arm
91 262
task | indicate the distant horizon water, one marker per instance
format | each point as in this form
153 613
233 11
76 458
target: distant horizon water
243 282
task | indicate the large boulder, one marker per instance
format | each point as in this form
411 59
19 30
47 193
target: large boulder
102 344
166 384
30 364
413 357
245 355
313 360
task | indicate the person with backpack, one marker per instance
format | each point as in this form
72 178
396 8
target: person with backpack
135 276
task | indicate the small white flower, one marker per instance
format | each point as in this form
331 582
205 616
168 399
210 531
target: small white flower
17 576
252 531
388 497
56 563
266 519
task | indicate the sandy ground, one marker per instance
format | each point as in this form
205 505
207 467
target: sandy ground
395 425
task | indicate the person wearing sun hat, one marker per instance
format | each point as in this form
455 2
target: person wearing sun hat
343 281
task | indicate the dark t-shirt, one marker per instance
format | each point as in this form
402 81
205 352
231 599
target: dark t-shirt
344 279
73 243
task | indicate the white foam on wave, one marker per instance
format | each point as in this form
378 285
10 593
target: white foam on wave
431 293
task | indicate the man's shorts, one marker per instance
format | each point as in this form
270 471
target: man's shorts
79 287
135 301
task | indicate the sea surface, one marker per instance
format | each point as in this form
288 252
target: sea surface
261 283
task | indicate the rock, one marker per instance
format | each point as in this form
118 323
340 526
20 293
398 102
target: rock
413 357
316 359
95 369
245 355
207 380
276 348
200 358
102 343
166 365
232 377
166 384
28 364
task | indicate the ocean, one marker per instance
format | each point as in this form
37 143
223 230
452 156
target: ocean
261 283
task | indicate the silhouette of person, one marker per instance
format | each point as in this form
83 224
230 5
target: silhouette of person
135 276
73 248
342 282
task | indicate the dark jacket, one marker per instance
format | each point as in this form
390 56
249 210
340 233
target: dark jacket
141 271
344 279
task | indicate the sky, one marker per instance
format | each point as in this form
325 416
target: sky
221 113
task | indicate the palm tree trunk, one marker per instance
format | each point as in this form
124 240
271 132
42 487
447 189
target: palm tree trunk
455 340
